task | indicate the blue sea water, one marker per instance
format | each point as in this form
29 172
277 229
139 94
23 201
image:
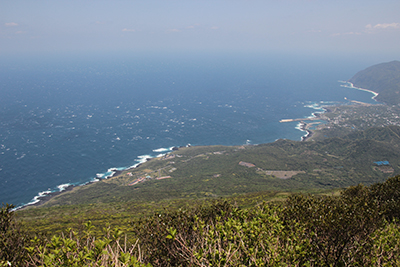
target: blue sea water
69 120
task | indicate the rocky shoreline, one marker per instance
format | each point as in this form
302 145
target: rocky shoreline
45 198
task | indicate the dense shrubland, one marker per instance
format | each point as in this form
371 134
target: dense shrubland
358 228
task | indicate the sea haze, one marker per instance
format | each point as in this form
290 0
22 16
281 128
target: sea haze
68 120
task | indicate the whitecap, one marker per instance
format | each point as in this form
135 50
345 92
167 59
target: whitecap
36 199
23 155
143 158
105 175
116 169
108 175
300 126
62 187
134 166
162 149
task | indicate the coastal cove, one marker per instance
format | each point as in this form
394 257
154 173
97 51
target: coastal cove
56 133
349 160
200 133
324 118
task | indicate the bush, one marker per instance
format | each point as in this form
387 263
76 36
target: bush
385 246
12 239
387 195
153 231
220 235
83 249
338 228
358 228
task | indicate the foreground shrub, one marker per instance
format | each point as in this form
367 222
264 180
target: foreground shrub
153 231
385 246
12 239
306 230
338 228
84 250
221 235
387 195
252 237
358 228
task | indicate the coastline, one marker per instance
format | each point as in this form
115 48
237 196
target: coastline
43 199
309 132
315 116
351 86
40 200
45 196
303 125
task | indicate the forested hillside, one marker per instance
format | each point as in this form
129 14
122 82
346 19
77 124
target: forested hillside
382 78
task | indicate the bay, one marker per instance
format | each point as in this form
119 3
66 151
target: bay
69 119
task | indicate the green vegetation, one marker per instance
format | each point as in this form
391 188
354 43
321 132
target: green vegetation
359 227
214 171
12 238
383 78
182 220
276 204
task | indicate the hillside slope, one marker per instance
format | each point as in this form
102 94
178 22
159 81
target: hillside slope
284 165
382 78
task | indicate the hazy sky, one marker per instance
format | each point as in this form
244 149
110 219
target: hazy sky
323 26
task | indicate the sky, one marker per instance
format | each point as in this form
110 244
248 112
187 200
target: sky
162 26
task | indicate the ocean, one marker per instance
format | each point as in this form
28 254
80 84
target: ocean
69 120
